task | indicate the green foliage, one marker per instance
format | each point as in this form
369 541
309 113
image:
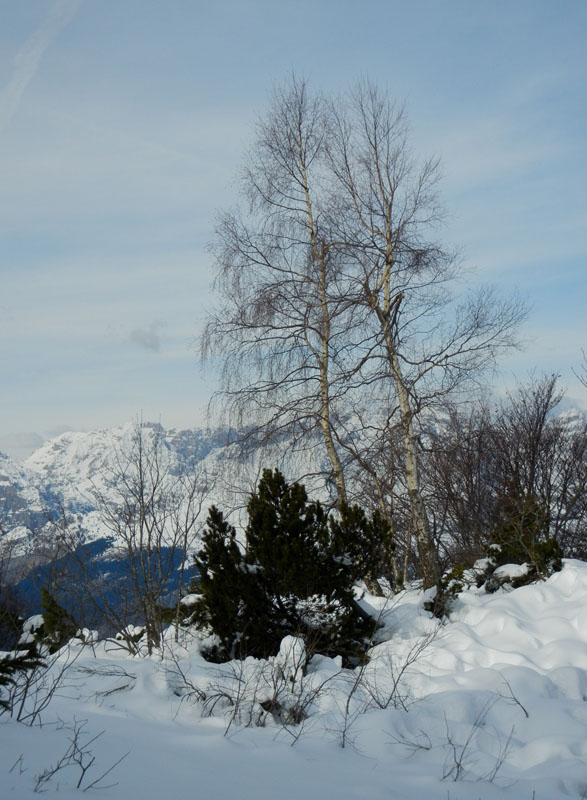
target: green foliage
364 541
446 590
10 625
229 602
521 539
11 664
20 658
58 624
294 577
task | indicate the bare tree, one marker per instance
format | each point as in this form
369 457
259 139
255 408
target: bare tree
582 374
424 340
459 472
283 322
540 455
151 506
488 462
333 286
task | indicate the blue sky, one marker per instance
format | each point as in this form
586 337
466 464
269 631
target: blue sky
122 126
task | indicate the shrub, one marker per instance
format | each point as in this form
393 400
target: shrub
520 539
11 664
58 625
365 542
294 577
10 624
445 592
21 657
519 552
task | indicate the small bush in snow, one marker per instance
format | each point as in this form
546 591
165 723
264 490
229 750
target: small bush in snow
444 593
520 542
21 656
294 577
12 664
58 626
519 552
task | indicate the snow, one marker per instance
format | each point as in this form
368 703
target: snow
509 572
490 704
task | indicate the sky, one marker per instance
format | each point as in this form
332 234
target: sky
122 128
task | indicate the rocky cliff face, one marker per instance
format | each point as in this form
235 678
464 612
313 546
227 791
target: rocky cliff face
20 502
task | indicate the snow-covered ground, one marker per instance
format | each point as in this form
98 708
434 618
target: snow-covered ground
491 704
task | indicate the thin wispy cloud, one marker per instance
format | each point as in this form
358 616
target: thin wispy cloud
30 55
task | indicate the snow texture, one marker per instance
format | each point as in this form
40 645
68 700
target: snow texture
491 704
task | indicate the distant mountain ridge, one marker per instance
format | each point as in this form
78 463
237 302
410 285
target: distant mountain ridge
74 465
20 500
65 473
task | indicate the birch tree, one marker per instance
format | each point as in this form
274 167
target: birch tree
335 292
282 322
423 340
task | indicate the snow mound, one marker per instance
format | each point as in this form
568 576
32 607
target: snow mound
489 704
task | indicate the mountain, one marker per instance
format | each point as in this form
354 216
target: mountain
65 473
20 500
66 501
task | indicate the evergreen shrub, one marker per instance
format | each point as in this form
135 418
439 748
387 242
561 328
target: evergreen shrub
294 576
448 587
522 539
58 624
20 657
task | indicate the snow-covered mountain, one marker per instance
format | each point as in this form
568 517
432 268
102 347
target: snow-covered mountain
65 477
74 466
66 472
20 501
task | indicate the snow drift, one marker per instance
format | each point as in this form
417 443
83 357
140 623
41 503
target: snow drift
490 704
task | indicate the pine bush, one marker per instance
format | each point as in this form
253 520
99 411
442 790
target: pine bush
521 539
19 658
58 624
294 576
